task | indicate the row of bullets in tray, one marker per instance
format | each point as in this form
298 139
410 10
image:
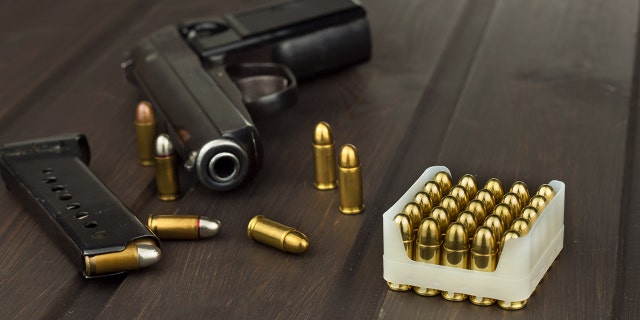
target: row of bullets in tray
449 225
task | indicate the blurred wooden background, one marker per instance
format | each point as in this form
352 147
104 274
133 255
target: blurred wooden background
513 89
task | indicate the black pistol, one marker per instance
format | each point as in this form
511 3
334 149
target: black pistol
196 76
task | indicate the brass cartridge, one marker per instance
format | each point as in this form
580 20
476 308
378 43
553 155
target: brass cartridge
184 227
455 254
452 206
412 210
486 198
406 231
166 169
440 214
521 225
508 235
495 187
477 208
521 190
513 201
469 221
460 193
495 223
277 235
136 255
427 249
468 182
530 214
539 202
443 179
350 181
504 212
424 201
432 188
546 191
145 123
484 250
324 158
510 305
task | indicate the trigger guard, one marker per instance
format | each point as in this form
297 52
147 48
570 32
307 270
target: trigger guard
266 87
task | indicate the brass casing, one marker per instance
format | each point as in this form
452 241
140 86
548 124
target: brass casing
452 206
468 182
504 212
324 158
508 235
455 254
461 194
477 208
495 187
539 202
406 231
412 210
486 198
277 235
424 201
427 249
115 262
175 227
350 181
513 201
167 178
546 191
512 305
432 188
443 179
484 257
521 190
145 133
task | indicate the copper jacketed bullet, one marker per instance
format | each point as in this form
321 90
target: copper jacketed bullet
350 181
468 182
495 187
324 158
277 235
406 232
427 249
443 179
461 194
455 254
183 227
432 188
510 305
424 201
521 190
136 255
145 123
546 191
484 250
166 169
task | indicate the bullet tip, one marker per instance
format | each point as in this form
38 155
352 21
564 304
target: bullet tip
296 242
144 113
483 241
164 146
148 255
322 134
349 157
208 227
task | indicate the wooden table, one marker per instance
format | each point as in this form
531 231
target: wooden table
517 90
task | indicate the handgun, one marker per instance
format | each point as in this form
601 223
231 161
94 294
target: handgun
204 87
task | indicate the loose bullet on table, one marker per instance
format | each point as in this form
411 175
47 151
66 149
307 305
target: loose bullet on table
324 158
277 235
183 227
166 169
145 123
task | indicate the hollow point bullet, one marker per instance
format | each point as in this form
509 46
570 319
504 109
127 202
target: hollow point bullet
136 255
546 191
510 305
443 179
183 227
427 249
455 254
424 201
277 235
324 158
495 187
461 194
486 198
521 190
484 250
468 182
406 232
145 123
350 181
412 210
166 169
432 188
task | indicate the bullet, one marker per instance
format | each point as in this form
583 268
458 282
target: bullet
440 214
186 227
495 187
546 191
460 193
145 123
539 202
432 188
443 179
406 231
521 190
412 210
486 197
324 158
530 214
469 221
424 201
166 169
521 225
451 205
136 255
350 181
513 201
483 258
510 305
477 208
468 182
427 249
504 212
508 235
277 235
455 254
496 224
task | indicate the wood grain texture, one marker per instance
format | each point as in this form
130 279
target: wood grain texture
517 90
